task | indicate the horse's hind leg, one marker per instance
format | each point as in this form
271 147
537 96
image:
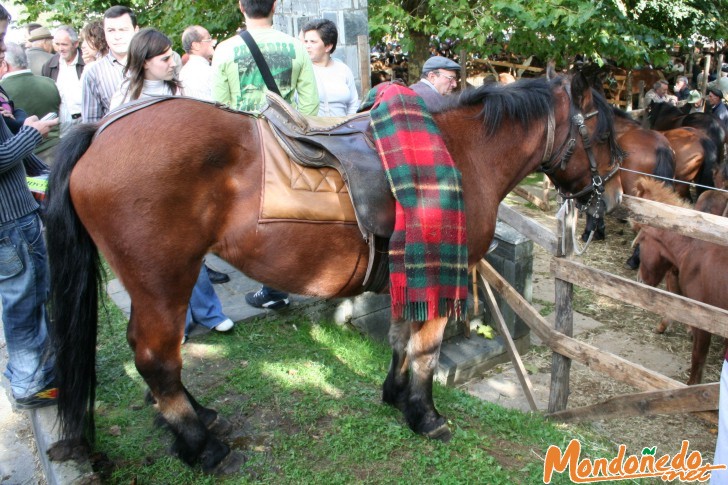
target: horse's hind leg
155 334
409 383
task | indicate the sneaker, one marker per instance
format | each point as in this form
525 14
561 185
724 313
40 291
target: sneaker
267 298
226 325
45 397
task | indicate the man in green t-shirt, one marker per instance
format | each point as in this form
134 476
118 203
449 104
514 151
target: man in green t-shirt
236 79
238 83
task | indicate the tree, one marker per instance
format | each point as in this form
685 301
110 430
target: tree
220 17
630 32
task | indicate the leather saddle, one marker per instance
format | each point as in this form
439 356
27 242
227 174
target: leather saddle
344 144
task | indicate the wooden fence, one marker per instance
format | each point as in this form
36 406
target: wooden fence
659 394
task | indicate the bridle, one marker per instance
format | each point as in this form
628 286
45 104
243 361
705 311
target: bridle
566 150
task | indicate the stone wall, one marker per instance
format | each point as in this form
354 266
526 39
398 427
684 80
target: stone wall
350 17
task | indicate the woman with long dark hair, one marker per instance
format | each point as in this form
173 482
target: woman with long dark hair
150 68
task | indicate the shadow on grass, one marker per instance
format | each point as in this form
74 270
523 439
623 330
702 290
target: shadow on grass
304 401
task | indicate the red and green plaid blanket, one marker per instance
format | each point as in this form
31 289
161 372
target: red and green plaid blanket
428 256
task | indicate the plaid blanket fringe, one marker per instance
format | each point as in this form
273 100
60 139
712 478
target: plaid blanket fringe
428 256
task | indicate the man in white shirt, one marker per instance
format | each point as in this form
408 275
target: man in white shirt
66 68
196 74
103 77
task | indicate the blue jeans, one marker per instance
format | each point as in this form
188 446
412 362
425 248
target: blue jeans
24 290
205 308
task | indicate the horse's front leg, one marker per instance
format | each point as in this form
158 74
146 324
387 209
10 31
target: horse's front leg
422 354
155 334
396 385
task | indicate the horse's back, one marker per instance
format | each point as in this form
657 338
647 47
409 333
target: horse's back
155 168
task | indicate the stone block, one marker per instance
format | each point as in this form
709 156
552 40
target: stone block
355 24
513 259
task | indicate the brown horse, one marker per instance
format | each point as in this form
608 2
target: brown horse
695 158
645 152
665 253
158 189
711 202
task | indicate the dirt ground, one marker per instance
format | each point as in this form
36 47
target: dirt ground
620 329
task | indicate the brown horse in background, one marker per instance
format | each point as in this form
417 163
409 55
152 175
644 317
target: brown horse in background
695 158
711 202
696 266
158 189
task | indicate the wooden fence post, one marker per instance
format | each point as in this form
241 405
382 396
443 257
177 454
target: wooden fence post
362 43
564 323
628 89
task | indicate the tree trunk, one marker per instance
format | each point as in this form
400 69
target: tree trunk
418 54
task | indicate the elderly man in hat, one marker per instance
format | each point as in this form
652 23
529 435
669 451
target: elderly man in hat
439 78
41 51
715 99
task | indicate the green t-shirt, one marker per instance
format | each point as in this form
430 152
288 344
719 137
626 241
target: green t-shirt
237 82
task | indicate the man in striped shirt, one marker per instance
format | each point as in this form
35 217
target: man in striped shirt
23 261
102 78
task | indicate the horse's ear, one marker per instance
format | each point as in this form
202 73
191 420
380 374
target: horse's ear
551 70
639 188
581 90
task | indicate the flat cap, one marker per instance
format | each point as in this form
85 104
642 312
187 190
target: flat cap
39 34
439 62
716 91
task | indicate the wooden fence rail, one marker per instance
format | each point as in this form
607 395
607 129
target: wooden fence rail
661 393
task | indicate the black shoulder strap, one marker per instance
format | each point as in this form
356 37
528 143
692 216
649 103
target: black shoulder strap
260 61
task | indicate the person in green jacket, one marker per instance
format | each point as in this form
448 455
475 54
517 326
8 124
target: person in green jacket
237 82
36 95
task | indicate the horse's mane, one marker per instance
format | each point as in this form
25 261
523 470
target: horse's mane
656 110
527 101
652 189
623 115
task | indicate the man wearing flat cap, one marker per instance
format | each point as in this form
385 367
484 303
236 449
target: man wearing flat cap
715 99
439 78
41 50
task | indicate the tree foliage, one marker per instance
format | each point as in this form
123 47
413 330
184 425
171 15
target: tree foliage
630 32
220 17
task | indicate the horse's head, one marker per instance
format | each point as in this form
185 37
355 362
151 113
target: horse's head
654 259
585 167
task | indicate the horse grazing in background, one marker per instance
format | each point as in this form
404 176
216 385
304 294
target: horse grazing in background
154 193
691 262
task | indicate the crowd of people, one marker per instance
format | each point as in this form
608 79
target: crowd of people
83 77
686 96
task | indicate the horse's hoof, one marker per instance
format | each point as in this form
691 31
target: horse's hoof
220 427
441 433
231 464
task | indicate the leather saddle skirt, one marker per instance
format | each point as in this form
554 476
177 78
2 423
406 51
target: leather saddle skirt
323 169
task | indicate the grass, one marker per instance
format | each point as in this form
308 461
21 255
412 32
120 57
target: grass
304 401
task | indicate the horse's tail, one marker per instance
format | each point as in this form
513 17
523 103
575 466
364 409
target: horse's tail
710 161
665 165
76 280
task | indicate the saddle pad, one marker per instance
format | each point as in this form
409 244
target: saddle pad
295 193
